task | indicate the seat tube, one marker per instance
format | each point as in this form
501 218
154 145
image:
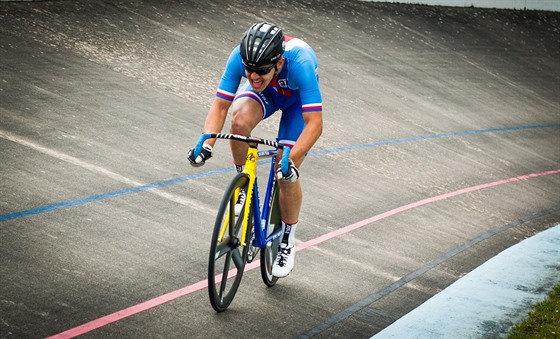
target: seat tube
251 160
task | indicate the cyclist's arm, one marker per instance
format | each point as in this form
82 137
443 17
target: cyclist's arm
312 108
216 118
311 133
224 95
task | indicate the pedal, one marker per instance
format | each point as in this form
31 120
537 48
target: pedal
253 251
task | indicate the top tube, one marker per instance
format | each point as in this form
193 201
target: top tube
285 166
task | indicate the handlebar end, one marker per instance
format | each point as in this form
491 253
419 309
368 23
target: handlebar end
285 163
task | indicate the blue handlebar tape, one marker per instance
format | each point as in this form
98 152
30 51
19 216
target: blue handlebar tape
198 147
285 165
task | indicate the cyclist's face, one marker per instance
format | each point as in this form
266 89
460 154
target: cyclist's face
260 81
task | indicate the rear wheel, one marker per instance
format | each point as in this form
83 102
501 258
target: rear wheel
268 254
228 257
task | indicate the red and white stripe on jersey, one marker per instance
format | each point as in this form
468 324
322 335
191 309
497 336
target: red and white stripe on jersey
312 107
225 95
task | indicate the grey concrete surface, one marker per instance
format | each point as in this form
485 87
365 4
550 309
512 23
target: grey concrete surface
489 300
101 99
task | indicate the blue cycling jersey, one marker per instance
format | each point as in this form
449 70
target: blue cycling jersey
298 76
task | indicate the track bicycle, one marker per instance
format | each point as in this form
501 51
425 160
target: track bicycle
240 234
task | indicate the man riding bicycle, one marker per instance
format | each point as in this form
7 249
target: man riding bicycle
281 74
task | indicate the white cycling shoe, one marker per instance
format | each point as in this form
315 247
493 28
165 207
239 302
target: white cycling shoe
285 261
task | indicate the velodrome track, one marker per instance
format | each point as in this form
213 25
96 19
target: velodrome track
440 150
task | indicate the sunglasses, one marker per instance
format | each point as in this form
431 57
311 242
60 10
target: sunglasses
260 71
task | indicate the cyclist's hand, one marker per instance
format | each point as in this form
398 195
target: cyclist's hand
293 173
202 157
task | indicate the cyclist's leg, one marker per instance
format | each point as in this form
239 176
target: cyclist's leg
291 126
290 201
249 108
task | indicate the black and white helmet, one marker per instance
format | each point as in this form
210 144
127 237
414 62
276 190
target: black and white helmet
262 44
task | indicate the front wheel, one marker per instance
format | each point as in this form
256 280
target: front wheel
223 277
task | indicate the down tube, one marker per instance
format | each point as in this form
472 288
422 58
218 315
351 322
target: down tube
257 222
268 195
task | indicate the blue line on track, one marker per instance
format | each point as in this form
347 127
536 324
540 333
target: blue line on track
107 195
433 136
136 189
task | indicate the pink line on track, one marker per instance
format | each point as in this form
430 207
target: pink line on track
127 312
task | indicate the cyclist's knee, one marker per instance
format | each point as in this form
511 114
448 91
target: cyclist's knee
240 124
244 119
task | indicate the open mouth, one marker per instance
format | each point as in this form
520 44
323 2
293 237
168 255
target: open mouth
257 84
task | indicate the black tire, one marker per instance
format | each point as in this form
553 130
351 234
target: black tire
268 254
222 288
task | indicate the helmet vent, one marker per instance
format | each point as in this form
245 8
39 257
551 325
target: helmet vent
262 44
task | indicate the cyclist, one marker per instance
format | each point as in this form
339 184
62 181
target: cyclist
281 74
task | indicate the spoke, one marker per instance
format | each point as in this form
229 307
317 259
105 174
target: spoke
223 248
237 258
225 274
269 261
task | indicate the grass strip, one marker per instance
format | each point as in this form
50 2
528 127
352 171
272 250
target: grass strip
543 322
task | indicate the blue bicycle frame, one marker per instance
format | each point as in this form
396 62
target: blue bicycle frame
262 223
